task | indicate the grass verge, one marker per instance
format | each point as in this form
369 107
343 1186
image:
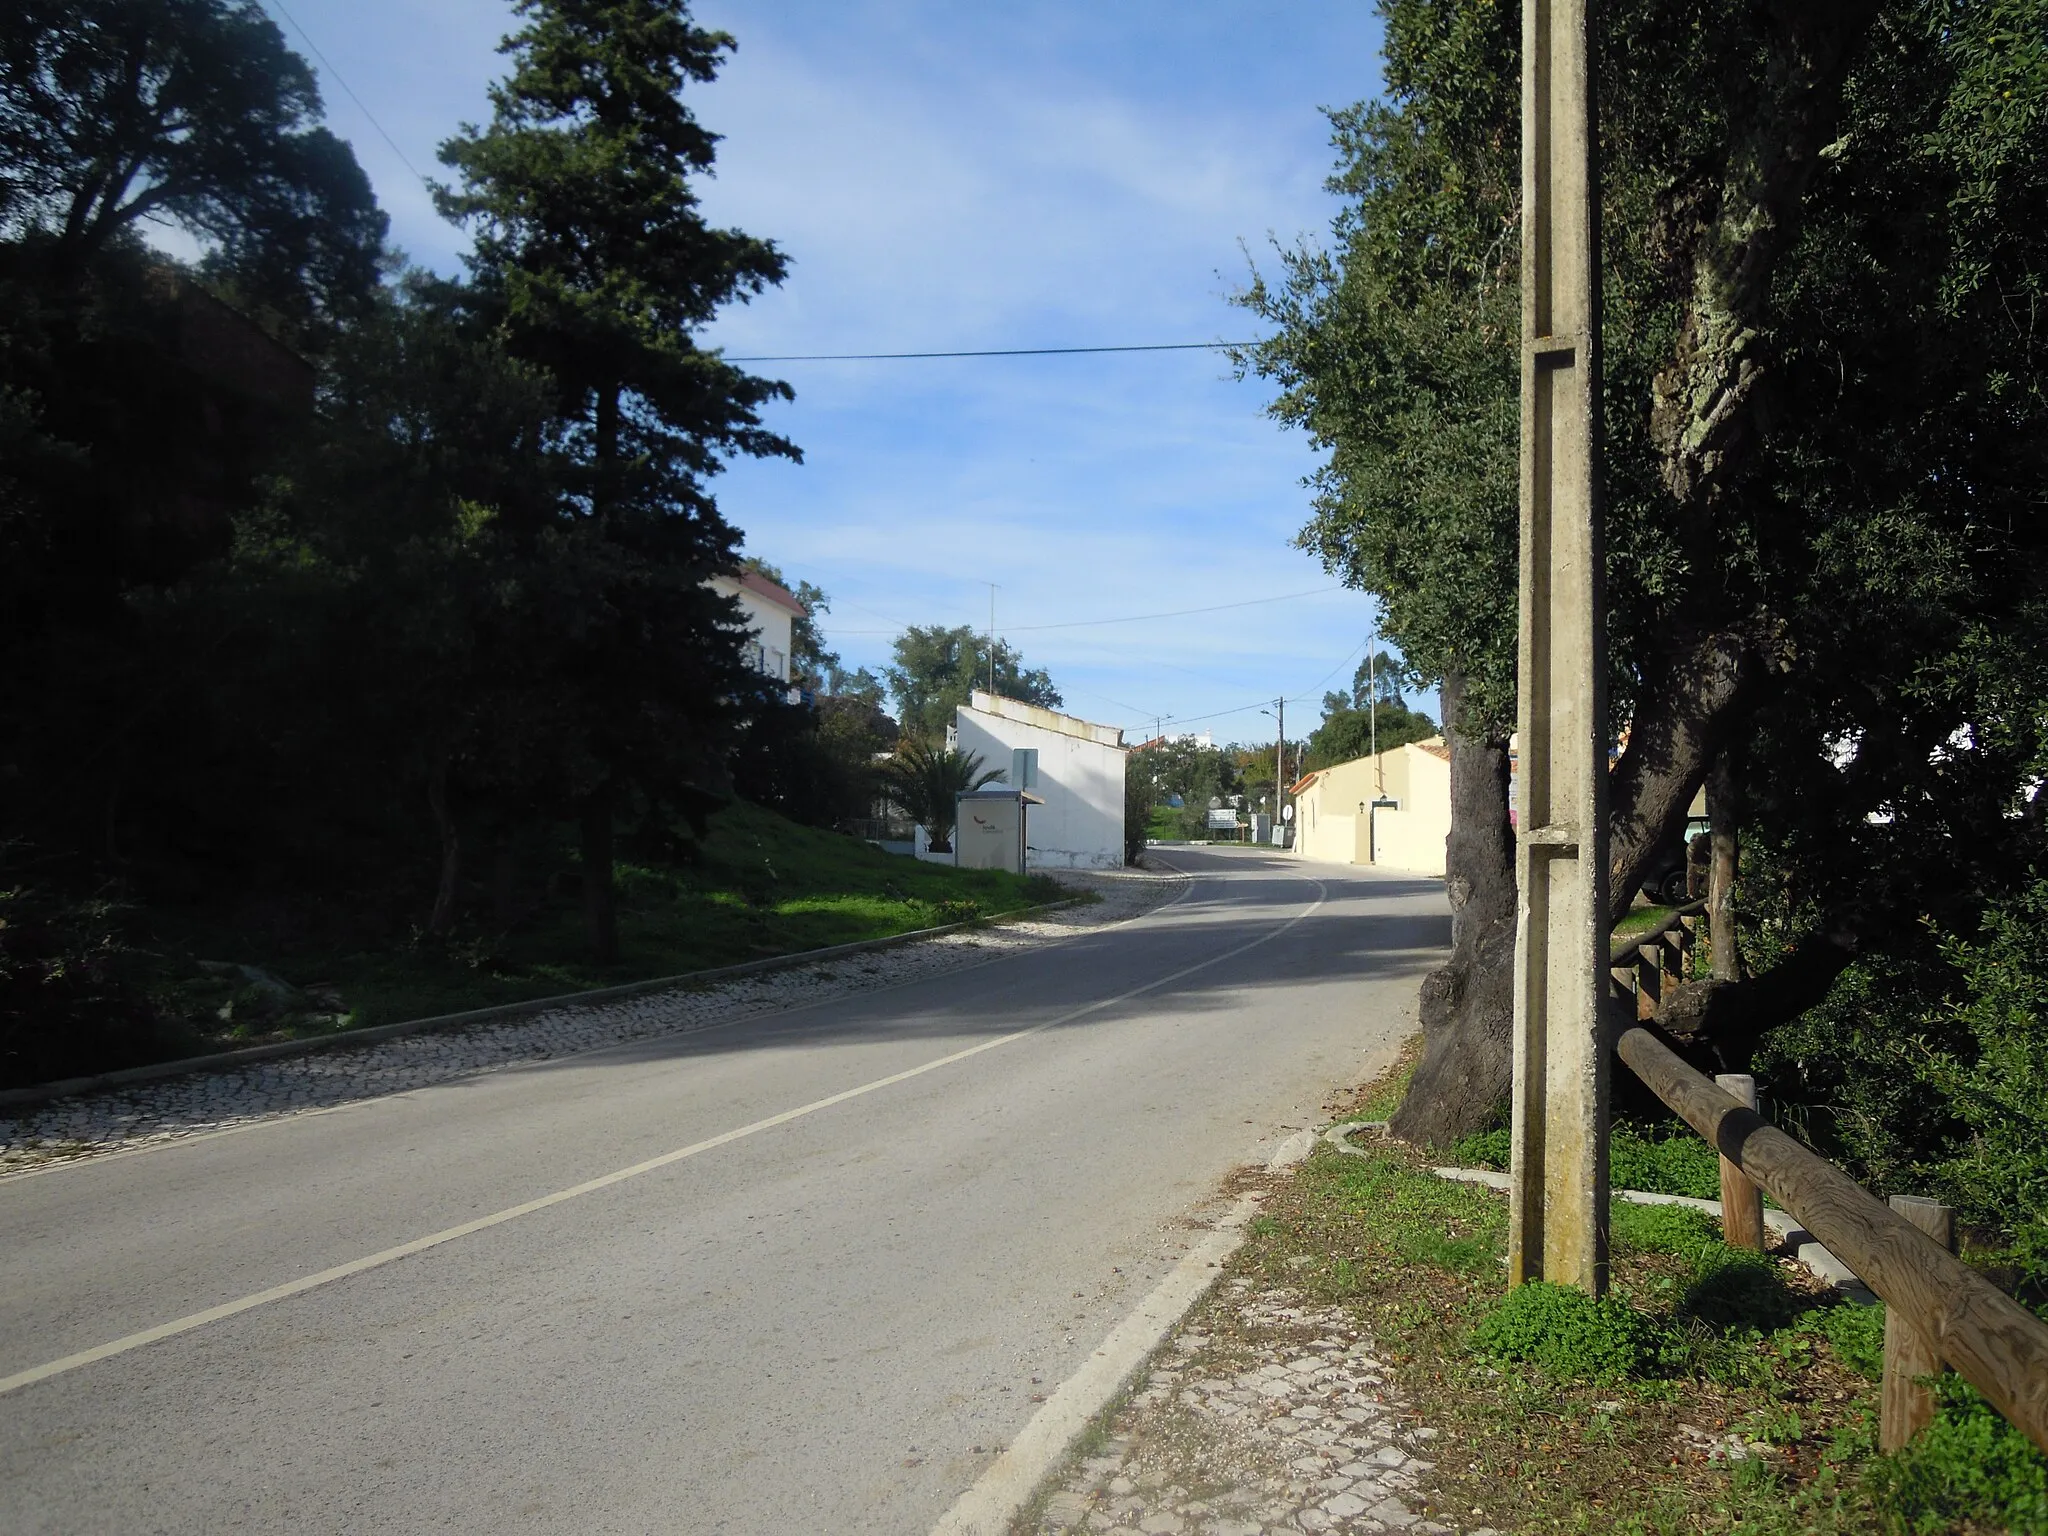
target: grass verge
758 886
1714 1391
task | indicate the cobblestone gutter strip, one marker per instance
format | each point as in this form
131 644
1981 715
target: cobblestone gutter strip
221 1061
1265 1416
188 1100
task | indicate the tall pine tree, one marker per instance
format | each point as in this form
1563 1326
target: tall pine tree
593 259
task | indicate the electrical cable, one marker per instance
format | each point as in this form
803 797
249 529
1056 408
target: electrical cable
1176 613
1131 618
1262 703
325 64
894 357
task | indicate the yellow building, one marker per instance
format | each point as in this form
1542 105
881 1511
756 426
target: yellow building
1392 810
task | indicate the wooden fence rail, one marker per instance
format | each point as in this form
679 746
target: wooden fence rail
1945 1311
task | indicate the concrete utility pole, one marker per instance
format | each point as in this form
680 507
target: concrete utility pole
1279 755
1372 701
991 637
1557 1222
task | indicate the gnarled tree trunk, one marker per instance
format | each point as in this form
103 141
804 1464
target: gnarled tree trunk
1468 1005
1690 705
1723 823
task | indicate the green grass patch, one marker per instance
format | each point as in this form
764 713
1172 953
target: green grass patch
1569 1334
1857 1336
1665 1158
1969 1465
758 886
1641 922
1557 1413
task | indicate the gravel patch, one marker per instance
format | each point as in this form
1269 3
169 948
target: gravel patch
118 1120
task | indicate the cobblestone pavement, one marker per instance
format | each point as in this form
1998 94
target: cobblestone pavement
118 1120
1264 1415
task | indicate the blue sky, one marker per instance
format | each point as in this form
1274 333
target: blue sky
960 176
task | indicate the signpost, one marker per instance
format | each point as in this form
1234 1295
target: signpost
1558 1196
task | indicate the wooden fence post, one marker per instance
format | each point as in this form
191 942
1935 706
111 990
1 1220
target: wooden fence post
1742 1203
1907 1407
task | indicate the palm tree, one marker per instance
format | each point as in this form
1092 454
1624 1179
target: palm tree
925 781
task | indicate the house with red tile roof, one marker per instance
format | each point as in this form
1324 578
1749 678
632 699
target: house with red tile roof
771 611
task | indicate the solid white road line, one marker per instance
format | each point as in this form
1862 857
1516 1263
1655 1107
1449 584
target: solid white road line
288 1117
306 1283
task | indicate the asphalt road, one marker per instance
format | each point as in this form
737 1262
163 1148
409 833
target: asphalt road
840 1261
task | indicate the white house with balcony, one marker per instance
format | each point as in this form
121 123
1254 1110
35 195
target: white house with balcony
771 612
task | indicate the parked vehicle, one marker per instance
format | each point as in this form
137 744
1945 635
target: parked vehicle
1669 882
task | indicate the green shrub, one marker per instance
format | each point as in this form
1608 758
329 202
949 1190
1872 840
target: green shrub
1569 1334
1926 1070
1482 1149
1735 1288
1665 1160
1969 1464
74 995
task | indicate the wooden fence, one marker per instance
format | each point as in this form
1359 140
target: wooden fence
1938 1311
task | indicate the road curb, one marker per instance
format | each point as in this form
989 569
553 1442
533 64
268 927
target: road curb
1002 1492
45 1093
1015 1477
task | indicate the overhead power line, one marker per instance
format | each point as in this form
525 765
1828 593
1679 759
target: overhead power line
1131 618
894 357
1245 709
1175 613
335 75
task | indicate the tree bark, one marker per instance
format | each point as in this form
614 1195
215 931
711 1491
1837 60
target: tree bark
1719 1023
1724 242
1688 708
1722 822
443 915
600 914
1467 1007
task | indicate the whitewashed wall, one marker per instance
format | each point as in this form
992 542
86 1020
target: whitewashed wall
1080 778
773 626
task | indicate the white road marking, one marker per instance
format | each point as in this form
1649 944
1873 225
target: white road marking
306 1283
288 1117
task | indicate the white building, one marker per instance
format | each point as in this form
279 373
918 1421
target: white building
1079 777
1393 810
771 611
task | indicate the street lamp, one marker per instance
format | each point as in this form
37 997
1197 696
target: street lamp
1279 717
